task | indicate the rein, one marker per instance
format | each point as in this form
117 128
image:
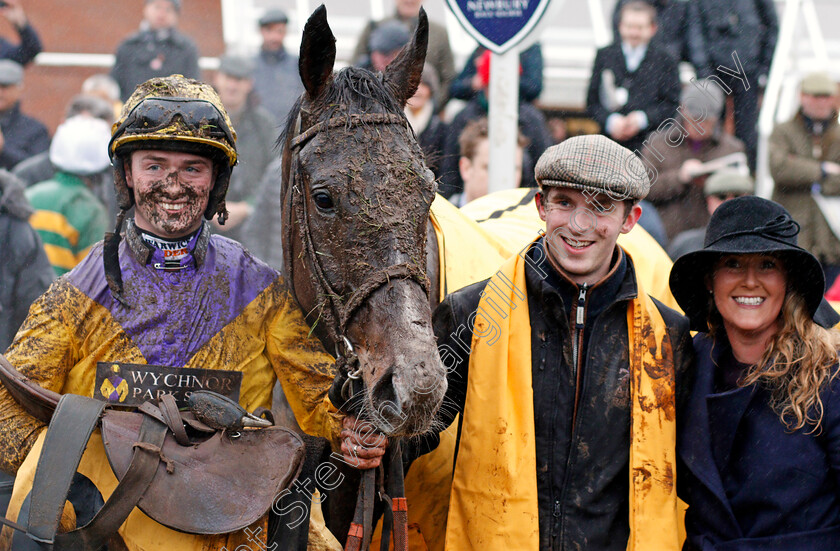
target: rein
340 309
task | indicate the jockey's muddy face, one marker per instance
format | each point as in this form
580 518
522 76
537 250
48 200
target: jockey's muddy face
171 190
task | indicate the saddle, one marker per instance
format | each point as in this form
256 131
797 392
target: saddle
213 469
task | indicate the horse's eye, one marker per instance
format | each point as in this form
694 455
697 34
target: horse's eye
323 200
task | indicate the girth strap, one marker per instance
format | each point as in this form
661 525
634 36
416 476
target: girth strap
72 424
128 492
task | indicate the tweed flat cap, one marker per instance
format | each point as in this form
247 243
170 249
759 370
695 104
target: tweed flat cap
594 163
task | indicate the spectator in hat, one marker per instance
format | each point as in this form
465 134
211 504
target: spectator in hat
21 136
723 185
635 84
420 112
566 374
805 159
693 136
68 216
256 132
30 44
532 125
276 77
470 80
386 41
157 49
438 55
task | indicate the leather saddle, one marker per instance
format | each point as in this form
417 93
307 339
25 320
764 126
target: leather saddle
203 471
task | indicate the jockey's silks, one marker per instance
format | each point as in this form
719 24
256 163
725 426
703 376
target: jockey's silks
233 313
493 503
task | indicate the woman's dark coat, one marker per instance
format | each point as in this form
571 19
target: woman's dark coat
750 483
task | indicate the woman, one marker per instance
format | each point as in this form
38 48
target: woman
758 445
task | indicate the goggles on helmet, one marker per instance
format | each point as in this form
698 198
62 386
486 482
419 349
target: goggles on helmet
157 118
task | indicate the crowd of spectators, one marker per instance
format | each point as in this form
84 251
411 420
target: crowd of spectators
635 95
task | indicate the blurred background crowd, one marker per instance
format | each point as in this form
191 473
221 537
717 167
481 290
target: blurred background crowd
681 82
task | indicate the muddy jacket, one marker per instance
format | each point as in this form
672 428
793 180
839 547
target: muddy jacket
224 310
582 470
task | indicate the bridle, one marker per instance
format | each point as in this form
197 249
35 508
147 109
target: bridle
340 308
336 315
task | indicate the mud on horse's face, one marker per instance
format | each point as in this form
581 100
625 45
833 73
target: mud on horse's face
356 205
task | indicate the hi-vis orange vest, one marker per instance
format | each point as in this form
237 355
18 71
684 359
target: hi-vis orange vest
493 503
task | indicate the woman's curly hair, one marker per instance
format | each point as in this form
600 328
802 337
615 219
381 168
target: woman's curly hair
799 363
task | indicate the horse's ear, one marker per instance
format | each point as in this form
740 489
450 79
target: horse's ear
317 53
402 76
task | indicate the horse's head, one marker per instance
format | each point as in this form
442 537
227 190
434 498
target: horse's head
356 198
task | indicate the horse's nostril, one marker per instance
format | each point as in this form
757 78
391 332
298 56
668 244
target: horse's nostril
384 395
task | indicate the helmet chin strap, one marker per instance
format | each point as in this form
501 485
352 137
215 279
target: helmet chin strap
110 256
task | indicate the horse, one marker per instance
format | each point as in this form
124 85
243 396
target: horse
356 195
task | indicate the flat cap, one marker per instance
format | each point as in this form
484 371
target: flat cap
703 98
818 84
10 72
388 37
594 163
274 15
236 66
729 180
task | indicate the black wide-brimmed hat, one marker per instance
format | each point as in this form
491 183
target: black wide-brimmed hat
748 225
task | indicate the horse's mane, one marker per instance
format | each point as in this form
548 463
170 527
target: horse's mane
353 89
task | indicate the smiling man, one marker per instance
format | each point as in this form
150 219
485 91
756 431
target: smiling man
550 362
166 294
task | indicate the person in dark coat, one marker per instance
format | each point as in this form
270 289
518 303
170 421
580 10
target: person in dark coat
635 83
532 125
429 128
25 272
29 45
21 136
469 82
678 31
758 445
276 77
749 28
256 132
158 49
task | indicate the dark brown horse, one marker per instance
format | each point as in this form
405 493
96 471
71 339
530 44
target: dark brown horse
356 198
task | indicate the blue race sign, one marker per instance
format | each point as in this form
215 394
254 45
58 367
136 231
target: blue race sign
498 25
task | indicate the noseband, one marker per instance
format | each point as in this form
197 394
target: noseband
341 308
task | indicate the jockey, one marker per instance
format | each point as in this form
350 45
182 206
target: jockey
164 295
